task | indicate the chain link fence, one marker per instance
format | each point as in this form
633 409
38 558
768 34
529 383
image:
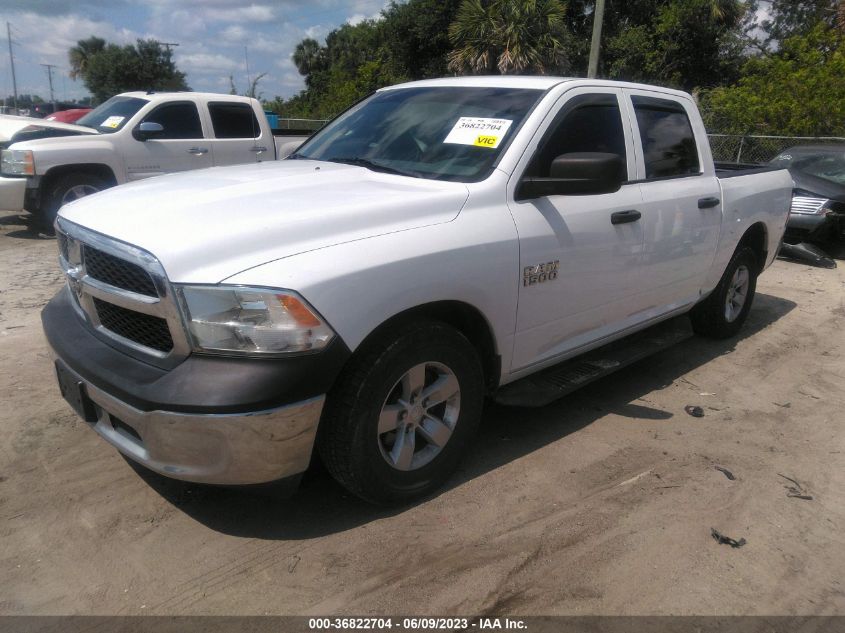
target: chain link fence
730 148
299 124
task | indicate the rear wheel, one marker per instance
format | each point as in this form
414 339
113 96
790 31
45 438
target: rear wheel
403 413
722 314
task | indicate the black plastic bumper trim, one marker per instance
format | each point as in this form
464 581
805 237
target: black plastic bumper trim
200 384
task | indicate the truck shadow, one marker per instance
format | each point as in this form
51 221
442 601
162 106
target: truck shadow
29 229
321 506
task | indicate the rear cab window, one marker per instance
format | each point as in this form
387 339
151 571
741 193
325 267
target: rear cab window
233 120
668 140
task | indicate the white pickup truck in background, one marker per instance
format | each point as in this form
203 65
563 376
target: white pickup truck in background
132 136
440 241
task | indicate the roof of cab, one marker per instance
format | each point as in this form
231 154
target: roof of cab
169 96
537 82
541 82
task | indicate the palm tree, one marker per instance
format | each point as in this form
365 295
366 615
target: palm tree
725 10
80 54
306 55
506 36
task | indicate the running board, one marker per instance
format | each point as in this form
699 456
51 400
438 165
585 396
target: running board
547 385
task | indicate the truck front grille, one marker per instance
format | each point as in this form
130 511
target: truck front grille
117 272
123 294
144 329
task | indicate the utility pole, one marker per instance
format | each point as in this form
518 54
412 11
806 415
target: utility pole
50 68
595 47
12 60
168 45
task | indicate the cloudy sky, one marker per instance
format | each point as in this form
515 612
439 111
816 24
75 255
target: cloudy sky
211 36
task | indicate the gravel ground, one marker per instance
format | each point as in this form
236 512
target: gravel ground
601 503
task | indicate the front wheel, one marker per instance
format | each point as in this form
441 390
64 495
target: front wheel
722 314
66 189
403 413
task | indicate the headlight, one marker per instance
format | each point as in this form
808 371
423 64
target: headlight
233 319
17 162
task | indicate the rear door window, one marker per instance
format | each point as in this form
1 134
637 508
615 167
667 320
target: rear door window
669 148
233 120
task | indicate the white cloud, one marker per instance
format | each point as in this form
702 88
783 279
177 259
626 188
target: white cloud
207 63
368 10
252 13
64 32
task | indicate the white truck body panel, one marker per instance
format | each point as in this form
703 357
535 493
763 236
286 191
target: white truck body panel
362 247
128 159
250 215
9 124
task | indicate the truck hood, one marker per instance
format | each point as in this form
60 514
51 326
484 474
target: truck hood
210 224
14 129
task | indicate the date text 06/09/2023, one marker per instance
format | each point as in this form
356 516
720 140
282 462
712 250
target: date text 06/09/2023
415 624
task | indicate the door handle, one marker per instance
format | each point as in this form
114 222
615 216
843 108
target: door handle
708 203
198 151
258 149
621 217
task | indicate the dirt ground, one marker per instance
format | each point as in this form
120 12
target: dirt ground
602 503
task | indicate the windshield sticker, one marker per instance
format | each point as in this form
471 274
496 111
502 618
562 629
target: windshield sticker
112 121
479 131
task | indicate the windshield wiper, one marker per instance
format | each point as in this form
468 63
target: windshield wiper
363 162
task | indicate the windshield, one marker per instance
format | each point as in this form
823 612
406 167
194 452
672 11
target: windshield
112 115
452 133
829 165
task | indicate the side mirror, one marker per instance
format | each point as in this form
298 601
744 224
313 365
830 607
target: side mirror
577 173
147 130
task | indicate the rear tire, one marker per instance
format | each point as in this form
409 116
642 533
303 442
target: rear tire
66 189
403 413
722 314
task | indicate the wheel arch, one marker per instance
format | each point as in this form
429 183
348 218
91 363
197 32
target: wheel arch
98 170
466 319
756 238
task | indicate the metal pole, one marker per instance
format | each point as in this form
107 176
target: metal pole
12 60
739 153
595 46
50 68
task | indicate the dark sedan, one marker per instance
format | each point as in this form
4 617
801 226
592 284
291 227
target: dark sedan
818 199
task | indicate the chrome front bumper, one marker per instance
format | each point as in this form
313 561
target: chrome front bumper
230 449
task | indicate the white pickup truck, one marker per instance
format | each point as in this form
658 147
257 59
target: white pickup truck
131 136
440 241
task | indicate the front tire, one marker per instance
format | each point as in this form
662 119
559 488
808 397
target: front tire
66 189
722 314
403 413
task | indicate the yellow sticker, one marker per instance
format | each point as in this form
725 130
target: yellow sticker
112 122
479 131
486 141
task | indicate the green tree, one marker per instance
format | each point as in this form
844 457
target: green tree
145 66
797 90
79 55
416 37
788 18
506 36
687 44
